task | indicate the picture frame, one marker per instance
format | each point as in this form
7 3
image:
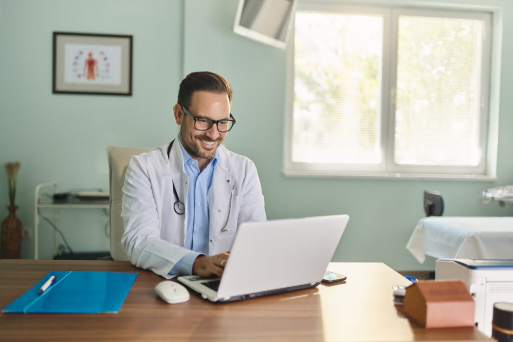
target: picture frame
94 64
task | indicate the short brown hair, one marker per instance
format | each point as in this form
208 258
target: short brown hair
202 80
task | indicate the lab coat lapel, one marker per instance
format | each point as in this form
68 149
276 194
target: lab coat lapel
219 196
179 178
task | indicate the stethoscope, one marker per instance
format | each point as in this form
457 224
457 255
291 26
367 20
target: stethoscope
179 207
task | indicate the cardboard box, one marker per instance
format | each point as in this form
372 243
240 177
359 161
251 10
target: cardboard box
440 304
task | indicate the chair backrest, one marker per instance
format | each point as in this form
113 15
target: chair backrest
433 203
119 157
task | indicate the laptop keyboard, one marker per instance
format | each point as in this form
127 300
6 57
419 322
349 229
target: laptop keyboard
214 285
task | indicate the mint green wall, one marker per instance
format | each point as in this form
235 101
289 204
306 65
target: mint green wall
63 137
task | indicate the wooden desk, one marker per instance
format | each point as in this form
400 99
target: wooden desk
359 310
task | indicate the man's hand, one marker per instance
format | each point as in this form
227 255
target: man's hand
205 266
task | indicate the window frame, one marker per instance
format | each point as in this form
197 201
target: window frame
386 117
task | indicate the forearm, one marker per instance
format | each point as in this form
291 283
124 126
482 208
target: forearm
185 265
148 251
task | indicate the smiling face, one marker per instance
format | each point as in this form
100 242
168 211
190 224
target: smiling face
202 145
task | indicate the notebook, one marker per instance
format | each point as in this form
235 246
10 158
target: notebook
274 257
76 293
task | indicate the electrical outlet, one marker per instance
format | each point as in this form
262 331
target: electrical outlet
25 233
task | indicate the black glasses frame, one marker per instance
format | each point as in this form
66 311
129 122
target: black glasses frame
216 122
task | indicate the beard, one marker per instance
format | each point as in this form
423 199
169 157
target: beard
195 148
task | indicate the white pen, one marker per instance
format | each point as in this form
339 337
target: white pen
46 284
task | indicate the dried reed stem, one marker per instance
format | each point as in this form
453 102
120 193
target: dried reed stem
11 173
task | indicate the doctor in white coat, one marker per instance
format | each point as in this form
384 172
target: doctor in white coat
183 202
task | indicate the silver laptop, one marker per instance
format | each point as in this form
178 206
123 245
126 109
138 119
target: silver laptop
273 257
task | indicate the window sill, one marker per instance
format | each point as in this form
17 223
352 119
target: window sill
389 175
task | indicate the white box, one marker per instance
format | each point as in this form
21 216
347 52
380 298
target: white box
489 281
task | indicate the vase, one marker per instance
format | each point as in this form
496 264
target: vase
11 235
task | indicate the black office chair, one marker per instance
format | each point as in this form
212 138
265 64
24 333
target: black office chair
433 203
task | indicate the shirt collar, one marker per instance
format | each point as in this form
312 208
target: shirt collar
187 156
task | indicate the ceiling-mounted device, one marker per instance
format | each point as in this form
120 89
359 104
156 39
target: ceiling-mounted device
266 21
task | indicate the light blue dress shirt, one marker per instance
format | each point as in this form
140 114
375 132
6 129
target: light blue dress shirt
198 220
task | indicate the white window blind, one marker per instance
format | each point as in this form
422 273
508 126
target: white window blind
438 109
336 102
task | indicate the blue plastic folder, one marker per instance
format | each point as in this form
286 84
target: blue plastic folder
76 293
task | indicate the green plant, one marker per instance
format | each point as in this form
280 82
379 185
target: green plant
11 173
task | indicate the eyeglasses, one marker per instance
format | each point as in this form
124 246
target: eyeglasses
204 124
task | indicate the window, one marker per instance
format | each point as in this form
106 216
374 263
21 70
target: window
388 91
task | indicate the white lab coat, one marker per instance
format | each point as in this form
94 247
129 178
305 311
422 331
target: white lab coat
154 234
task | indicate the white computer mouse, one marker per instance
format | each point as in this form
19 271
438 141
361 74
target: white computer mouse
172 292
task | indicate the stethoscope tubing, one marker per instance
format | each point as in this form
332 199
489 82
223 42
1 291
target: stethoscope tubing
179 207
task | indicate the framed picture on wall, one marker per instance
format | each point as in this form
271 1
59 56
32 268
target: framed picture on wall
98 64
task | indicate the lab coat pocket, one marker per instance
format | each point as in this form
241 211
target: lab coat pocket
224 244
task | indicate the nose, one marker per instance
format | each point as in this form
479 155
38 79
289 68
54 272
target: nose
213 133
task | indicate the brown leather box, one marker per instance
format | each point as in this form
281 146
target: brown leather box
440 304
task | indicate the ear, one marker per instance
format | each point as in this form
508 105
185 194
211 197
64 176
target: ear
177 110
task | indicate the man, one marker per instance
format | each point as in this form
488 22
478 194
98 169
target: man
183 202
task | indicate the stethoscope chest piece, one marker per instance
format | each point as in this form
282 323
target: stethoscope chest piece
179 207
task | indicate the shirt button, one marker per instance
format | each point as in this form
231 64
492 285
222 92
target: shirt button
219 210
197 230
199 203
210 240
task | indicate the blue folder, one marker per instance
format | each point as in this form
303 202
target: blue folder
76 293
